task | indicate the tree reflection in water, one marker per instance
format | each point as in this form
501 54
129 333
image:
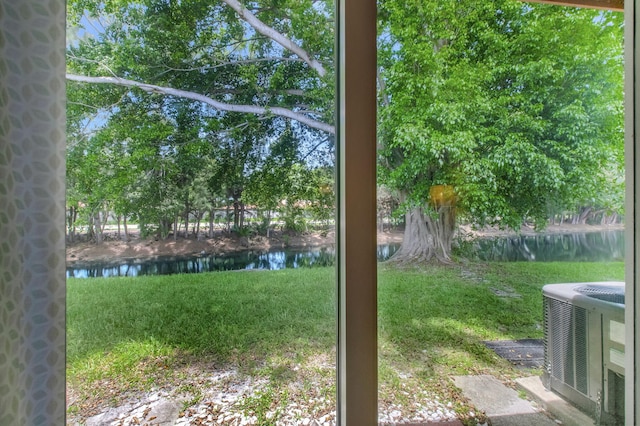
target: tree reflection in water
573 247
582 247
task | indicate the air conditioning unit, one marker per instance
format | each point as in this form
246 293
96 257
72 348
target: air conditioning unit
584 340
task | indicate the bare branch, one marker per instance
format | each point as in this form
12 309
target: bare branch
382 88
312 150
168 91
204 68
91 61
274 35
295 92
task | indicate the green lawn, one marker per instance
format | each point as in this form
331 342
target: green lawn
134 333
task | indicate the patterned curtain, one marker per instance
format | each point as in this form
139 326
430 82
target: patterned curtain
32 210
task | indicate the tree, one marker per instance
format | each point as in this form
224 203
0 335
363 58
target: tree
213 53
509 105
271 184
490 110
221 74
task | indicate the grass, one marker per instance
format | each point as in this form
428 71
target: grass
438 317
130 334
219 314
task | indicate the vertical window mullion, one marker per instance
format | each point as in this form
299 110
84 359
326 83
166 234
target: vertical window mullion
632 97
357 270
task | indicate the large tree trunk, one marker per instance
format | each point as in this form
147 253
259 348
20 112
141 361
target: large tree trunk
427 236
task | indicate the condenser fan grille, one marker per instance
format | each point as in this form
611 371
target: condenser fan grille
567 356
602 292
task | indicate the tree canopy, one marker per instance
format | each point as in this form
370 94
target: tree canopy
178 104
517 107
498 111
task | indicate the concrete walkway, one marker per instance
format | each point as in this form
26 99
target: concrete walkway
500 403
505 407
552 403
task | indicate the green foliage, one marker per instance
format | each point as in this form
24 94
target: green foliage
517 105
158 157
294 219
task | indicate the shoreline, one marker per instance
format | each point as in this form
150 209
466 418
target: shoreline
113 250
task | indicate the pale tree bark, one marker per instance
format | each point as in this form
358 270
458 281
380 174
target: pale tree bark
126 230
274 35
196 229
242 211
417 244
221 106
187 209
212 216
268 223
261 28
105 215
442 227
176 222
97 226
427 236
71 223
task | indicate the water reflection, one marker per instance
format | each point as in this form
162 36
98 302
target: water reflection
248 260
575 247
592 247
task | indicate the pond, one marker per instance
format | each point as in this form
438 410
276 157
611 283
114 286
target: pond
595 246
572 247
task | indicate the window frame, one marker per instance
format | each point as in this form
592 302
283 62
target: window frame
357 363
357 271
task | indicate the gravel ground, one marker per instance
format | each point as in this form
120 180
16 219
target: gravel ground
226 397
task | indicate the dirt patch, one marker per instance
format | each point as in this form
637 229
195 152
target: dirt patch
138 248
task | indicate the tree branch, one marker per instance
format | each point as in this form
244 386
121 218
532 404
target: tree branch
274 35
168 91
204 68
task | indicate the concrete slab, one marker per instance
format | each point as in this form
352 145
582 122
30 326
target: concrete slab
500 403
554 404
